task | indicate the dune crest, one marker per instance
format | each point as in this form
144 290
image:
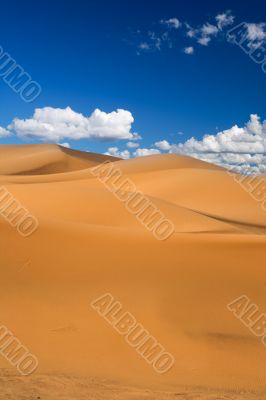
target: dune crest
45 159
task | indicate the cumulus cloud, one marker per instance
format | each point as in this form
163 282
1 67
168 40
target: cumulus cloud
189 50
4 132
132 145
115 152
242 163
55 124
141 152
163 145
248 139
241 148
146 152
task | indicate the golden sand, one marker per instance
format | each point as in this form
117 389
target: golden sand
87 244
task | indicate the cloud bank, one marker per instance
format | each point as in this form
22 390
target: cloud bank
243 148
240 148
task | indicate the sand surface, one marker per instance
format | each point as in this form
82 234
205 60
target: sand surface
88 244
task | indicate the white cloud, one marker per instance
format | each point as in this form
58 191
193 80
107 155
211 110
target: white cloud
202 34
156 41
249 139
172 23
146 152
204 41
224 19
65 144
132 145
256 32
115 152
250 35
243 163
4 132
163 145
237 145
240 148
189 50
209 29
191 32
55 124
144 46
206 32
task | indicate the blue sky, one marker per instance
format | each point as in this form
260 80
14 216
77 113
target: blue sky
111 55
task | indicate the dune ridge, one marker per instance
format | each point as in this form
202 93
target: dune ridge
88 244
45 159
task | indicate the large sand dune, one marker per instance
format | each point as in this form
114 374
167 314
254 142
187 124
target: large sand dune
88 244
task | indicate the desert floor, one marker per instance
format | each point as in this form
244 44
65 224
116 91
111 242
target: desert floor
88 244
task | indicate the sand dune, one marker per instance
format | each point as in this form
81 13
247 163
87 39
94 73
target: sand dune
163 162
45 159
88 244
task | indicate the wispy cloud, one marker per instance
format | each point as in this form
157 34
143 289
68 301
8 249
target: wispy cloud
224 19
189 50
256 32
202 34
172 23
144 46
